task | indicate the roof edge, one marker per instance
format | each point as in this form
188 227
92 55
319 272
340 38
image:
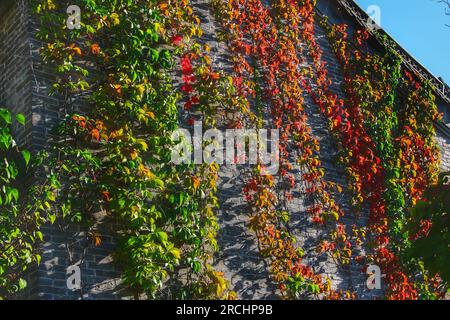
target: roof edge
439 86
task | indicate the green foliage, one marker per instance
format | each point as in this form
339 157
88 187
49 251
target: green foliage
431 245
23 209
116 156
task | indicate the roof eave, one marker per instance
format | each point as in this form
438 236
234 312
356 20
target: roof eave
362 18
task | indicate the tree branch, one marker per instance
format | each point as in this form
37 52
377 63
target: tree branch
447 10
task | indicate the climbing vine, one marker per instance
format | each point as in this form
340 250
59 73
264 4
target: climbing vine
428 229
255 34
136 71
24 208
119 148
373 156
372 84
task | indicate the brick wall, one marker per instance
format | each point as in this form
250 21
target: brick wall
24 87
15 65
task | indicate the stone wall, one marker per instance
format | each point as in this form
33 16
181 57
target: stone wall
24 87
15 66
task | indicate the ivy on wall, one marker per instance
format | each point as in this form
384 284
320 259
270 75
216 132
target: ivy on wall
111 152
23 208
401 169
372 125
428 231
116 156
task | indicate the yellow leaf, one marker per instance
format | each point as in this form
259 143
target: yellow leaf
335 215
115 19
143 145
141 89
51 5
158 28
77 50
175 252
133 154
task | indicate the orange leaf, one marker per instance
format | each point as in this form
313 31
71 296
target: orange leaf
215 75
95 134
195 182
95 49
75 49
118 89
133 154
151 115
97 238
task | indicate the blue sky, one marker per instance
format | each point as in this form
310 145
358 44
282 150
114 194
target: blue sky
419 26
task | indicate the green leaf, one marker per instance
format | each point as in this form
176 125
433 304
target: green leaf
22 284
285 216
5 115
196 266
154 55
39 235
13 194
162 236
26 156
181 199
20 119
159 183
52 218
